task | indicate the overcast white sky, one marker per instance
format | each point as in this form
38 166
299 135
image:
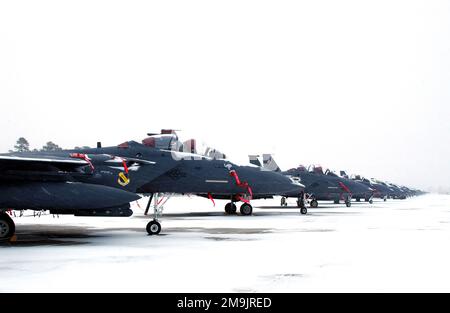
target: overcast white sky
356 85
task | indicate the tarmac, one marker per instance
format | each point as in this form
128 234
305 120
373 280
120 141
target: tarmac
398 245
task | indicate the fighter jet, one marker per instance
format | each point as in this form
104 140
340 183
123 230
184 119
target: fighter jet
380 190
103 181
397 192
209 174
358 190
59 183
319 185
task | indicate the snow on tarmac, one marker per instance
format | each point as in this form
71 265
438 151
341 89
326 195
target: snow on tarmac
400 245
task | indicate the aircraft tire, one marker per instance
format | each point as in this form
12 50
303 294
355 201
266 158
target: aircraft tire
7 226
314 204
348 204
230 208
154 228
304 211
246 209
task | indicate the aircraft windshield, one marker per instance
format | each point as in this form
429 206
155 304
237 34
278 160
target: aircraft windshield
171 141
316 169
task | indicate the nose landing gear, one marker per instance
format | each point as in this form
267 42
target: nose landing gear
348 201
154 227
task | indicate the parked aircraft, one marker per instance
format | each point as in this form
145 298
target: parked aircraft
103 181
319 185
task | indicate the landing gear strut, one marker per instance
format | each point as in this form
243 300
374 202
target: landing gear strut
370 200
348 201
7 226
301 204
154 226
283 201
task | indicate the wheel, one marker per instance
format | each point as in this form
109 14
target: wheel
304 211
358 199
385 199
348 204
153 228
246 209
283 201
300 204
371 201
7 226
336 201
314 204
230 208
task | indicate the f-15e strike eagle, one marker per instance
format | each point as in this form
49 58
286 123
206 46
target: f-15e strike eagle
319 185
103 181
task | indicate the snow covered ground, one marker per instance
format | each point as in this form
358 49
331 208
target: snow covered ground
393 246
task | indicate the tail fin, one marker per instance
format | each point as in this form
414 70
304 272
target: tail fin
270 164
254 159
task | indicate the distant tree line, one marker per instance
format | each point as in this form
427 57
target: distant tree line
22 145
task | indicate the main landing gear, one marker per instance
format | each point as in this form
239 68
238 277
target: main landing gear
246 209
230 208
154 226
7 226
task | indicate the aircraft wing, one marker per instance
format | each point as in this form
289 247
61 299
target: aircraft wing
34 167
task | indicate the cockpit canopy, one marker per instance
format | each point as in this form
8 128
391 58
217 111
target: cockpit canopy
166 142
169 140
316 169
302 168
